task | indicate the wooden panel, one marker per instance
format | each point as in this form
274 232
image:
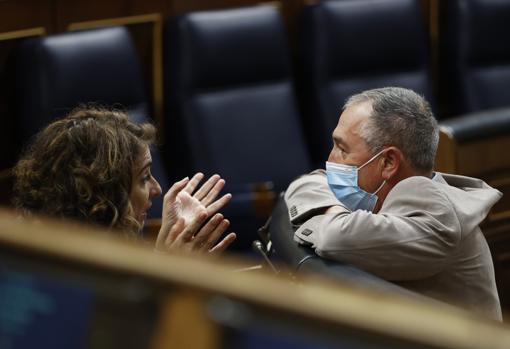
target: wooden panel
483 157
69 11
446 154
178 311
136 7
23 14
318 303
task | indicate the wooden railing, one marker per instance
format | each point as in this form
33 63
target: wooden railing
200 302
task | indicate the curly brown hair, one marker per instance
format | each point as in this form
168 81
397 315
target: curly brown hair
80 167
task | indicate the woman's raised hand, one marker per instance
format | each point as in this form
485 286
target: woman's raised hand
185 213
197 237
208 192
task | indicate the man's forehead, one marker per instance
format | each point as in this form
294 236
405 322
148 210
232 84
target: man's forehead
352 119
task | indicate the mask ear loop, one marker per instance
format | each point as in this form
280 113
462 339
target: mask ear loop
371 159
380 187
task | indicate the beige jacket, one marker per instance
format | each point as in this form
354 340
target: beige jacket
425 237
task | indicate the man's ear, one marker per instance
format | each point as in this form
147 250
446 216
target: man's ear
391 162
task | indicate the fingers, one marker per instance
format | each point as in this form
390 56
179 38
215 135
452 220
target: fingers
210 190
215 235
207 186
223 244
218 204
162 235
207 230
184 216
193 183
171 194
175 231
192 227
211 232
167 235
213 193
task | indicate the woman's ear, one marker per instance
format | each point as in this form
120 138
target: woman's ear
391 162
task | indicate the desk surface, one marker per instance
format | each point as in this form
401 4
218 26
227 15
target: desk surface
315 300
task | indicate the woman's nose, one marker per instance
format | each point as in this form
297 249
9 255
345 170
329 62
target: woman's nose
155 189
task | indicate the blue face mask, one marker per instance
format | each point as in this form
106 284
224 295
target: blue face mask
343 181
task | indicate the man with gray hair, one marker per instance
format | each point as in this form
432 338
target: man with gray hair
380 206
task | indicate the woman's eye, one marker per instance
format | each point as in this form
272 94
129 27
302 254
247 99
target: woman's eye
147 177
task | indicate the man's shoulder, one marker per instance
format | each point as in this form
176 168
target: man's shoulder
308 195
419 189
419 183
307 184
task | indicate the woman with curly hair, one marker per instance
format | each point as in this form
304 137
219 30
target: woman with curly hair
95 166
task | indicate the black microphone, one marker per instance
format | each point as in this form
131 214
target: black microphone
258 247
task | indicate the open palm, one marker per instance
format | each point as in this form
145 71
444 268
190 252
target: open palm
187 208
185 225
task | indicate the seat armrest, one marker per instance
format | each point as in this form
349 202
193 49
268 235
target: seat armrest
477 126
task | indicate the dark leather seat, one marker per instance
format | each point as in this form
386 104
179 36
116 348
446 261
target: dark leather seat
474 56
353 45
231 103
57 73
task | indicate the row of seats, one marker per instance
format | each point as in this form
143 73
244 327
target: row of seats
232 104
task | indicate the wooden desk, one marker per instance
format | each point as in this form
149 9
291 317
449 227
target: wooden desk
202 295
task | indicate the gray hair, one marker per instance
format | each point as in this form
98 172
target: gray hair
402 118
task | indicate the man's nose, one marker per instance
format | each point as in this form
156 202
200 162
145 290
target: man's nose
330 156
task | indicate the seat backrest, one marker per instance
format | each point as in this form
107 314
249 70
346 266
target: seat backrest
348 46
56 73
230 96
474 55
